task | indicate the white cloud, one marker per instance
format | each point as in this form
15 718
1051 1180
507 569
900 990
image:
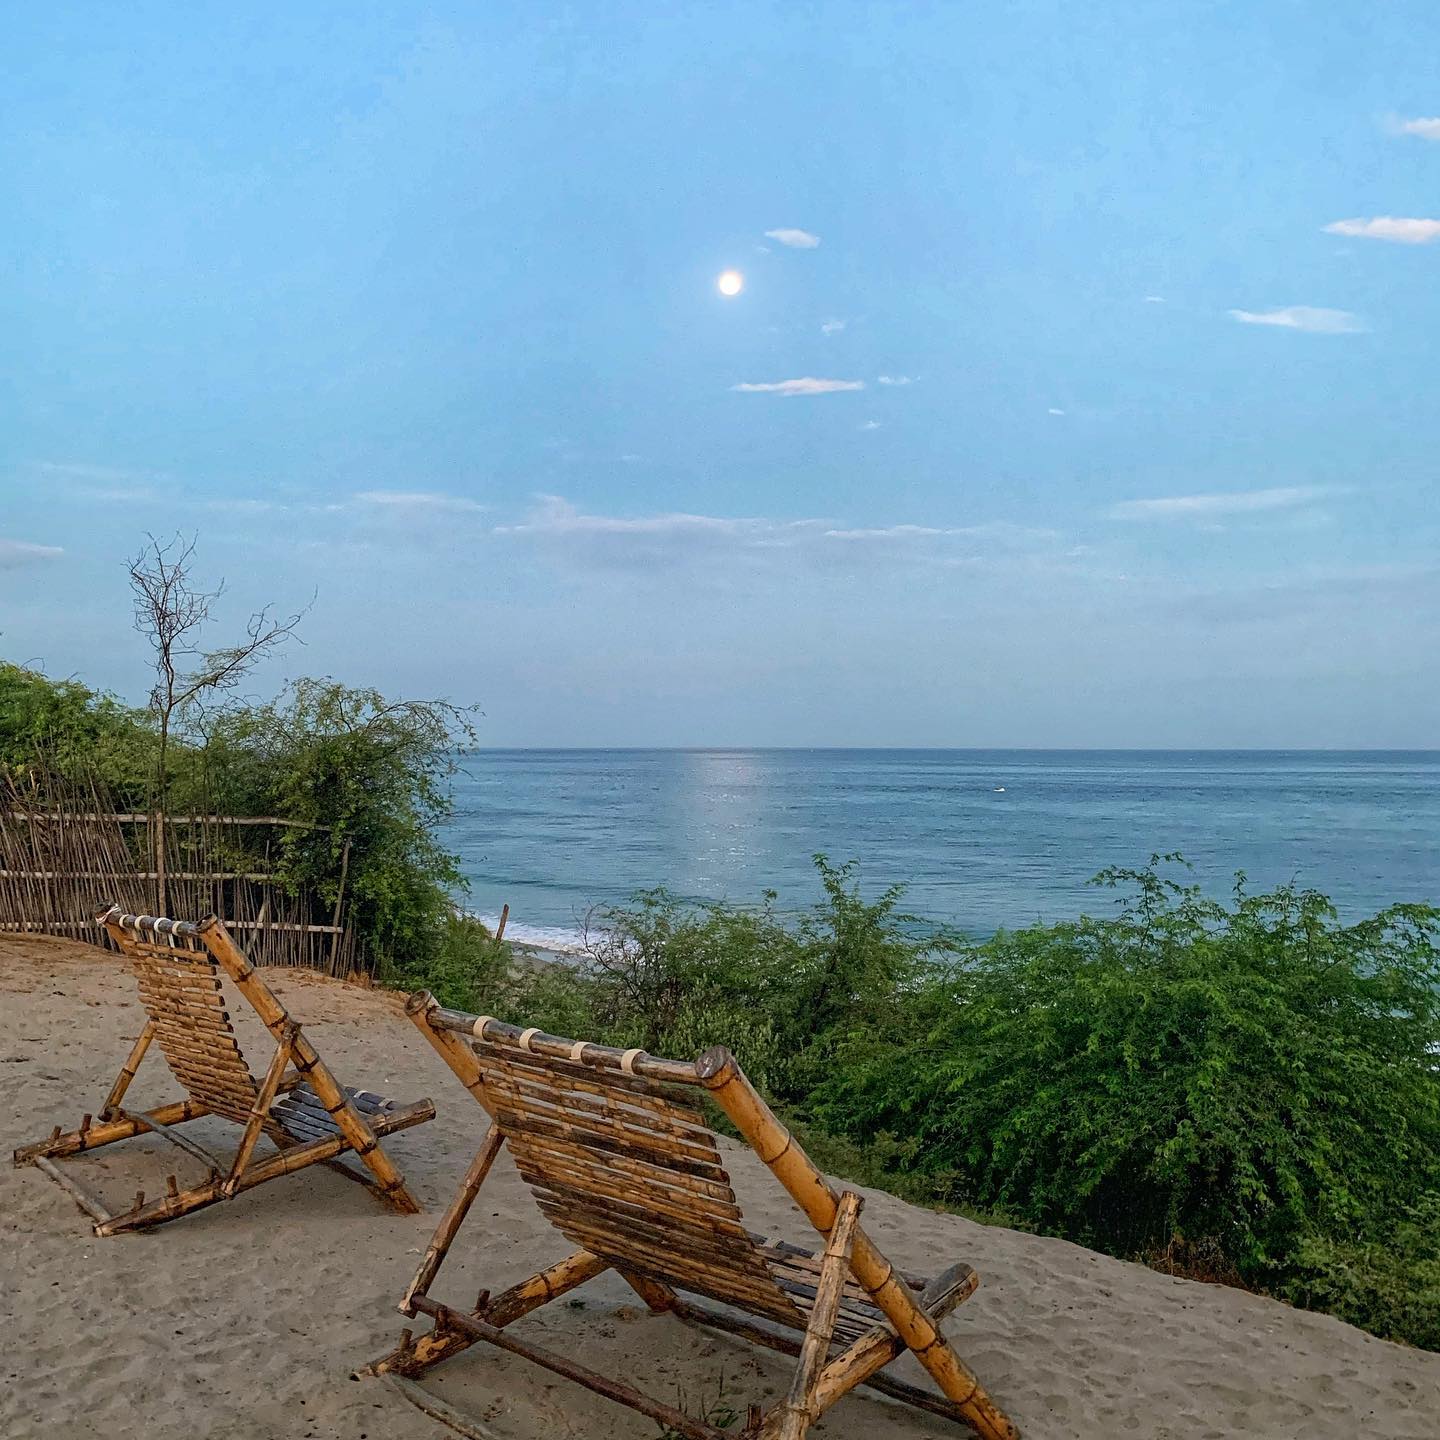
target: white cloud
1388 227
103 483
1154 299
417 500
831 327
15 553
1314 319
896 379
647 541
806 385
1054 411
795 239
240 506
1210 507
871 425
1426 129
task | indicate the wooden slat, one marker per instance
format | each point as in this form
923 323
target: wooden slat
622 1171
181 991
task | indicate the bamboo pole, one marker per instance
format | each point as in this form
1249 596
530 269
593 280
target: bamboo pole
783 1156
413 1357
453 1218
757 1334
437 1409
497 1032
259 1112
108 1132
133 818
127 1071
285 1163
339 901
615 1390
88 1202
544 1286
157 1127
423 1008
307 1060
790 1420
871 1352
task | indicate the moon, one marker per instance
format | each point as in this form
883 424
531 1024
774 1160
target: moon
731 282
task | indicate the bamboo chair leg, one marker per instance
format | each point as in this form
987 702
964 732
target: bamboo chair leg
787 1161
413 1357
89 1202
453 1218
873 1351
357 1133
91 1137
264 1099
285 1163
659 1297
127 1071
658 1410
791 1419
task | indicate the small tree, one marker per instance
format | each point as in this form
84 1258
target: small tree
171 611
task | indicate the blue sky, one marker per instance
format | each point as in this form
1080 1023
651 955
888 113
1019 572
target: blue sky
1117 327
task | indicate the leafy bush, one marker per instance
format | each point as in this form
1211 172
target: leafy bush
1388 1284
372 774
1256 1080
60 729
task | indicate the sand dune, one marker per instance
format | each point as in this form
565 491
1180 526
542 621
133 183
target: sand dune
246 1320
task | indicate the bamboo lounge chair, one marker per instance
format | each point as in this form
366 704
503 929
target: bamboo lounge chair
307 1115
622 1163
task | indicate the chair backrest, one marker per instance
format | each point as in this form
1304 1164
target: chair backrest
180 989
629 1170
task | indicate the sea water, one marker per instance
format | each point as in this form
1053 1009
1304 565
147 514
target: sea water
981 838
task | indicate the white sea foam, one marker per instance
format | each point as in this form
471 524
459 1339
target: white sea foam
560 939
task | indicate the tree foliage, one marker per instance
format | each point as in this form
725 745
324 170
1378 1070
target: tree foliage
369 775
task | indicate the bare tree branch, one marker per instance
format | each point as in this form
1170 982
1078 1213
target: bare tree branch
171 611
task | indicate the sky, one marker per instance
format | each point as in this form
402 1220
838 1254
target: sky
1081 390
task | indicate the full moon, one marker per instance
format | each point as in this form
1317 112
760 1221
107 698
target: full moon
731 282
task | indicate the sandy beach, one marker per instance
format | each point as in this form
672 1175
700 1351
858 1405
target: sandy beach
247 1319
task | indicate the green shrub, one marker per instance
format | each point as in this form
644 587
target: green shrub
1256 1079
61 730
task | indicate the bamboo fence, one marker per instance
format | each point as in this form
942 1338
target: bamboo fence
65 850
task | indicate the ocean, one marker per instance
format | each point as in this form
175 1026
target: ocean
981 838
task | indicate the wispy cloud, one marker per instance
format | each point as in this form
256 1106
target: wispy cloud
831 327
107 484
417 500
1388 227
89 472
15 553
806 385
896 379
1425 128
1218 506
1154 299
871 425
1053 410
795 239
1314 319
672 538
